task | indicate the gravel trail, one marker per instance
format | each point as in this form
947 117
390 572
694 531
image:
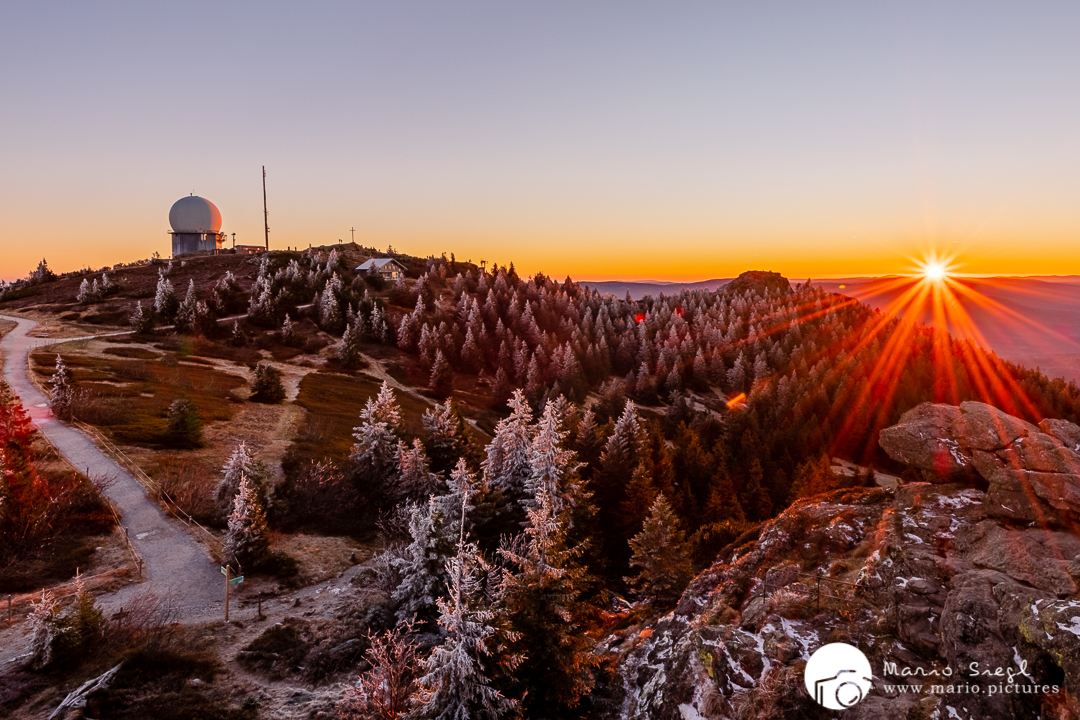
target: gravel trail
178 569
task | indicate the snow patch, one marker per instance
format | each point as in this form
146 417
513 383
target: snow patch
1020 662
810 640
960 499
954 450
1074 628
914 538
689 713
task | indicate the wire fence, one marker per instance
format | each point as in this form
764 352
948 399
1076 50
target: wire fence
215 544
12 605
818 590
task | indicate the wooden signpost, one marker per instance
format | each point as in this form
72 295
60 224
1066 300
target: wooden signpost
226 570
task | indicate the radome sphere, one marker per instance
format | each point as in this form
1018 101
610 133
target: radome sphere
193 214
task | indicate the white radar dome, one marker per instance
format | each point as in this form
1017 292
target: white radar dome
193 214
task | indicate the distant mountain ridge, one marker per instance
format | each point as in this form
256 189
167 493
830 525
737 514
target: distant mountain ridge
638 290
1040 326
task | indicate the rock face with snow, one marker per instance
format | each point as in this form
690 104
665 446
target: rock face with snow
1033 472
923 577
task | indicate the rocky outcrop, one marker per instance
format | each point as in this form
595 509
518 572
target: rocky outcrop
1033 472
921 578
758 282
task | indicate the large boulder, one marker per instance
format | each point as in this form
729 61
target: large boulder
926 582
1033 472
924 439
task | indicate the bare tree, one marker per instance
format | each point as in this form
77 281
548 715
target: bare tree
387 689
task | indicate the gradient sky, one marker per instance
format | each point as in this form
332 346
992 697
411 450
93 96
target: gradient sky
601 140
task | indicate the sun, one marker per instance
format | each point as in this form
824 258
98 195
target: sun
933 268
935 271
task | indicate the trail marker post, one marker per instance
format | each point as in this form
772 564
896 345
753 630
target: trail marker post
225 571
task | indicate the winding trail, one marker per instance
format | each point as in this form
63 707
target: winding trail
177 569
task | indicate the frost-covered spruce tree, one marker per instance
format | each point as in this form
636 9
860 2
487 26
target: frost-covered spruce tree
375 453
238 338
435 530
421 563
409 330
408 334
61 391
415 481
83 625
472 359
165 302
623 447
348 349
45 626
183 426
225 298
462 490
84 291
551 467
456 684
441 381
262 308
540 601
186 313
380 328
142 320
247 539
444 436
507 466
239 465
330 317
661 556
288 332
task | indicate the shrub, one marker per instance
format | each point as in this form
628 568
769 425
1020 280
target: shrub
266 387
184 428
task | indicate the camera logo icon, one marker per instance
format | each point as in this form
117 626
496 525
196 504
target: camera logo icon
838 676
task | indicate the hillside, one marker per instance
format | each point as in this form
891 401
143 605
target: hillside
577 457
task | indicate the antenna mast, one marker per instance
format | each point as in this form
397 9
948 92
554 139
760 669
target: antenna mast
266 213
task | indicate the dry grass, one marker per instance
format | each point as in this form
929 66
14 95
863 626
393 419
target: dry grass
137 353
191 485
334 403
129 399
